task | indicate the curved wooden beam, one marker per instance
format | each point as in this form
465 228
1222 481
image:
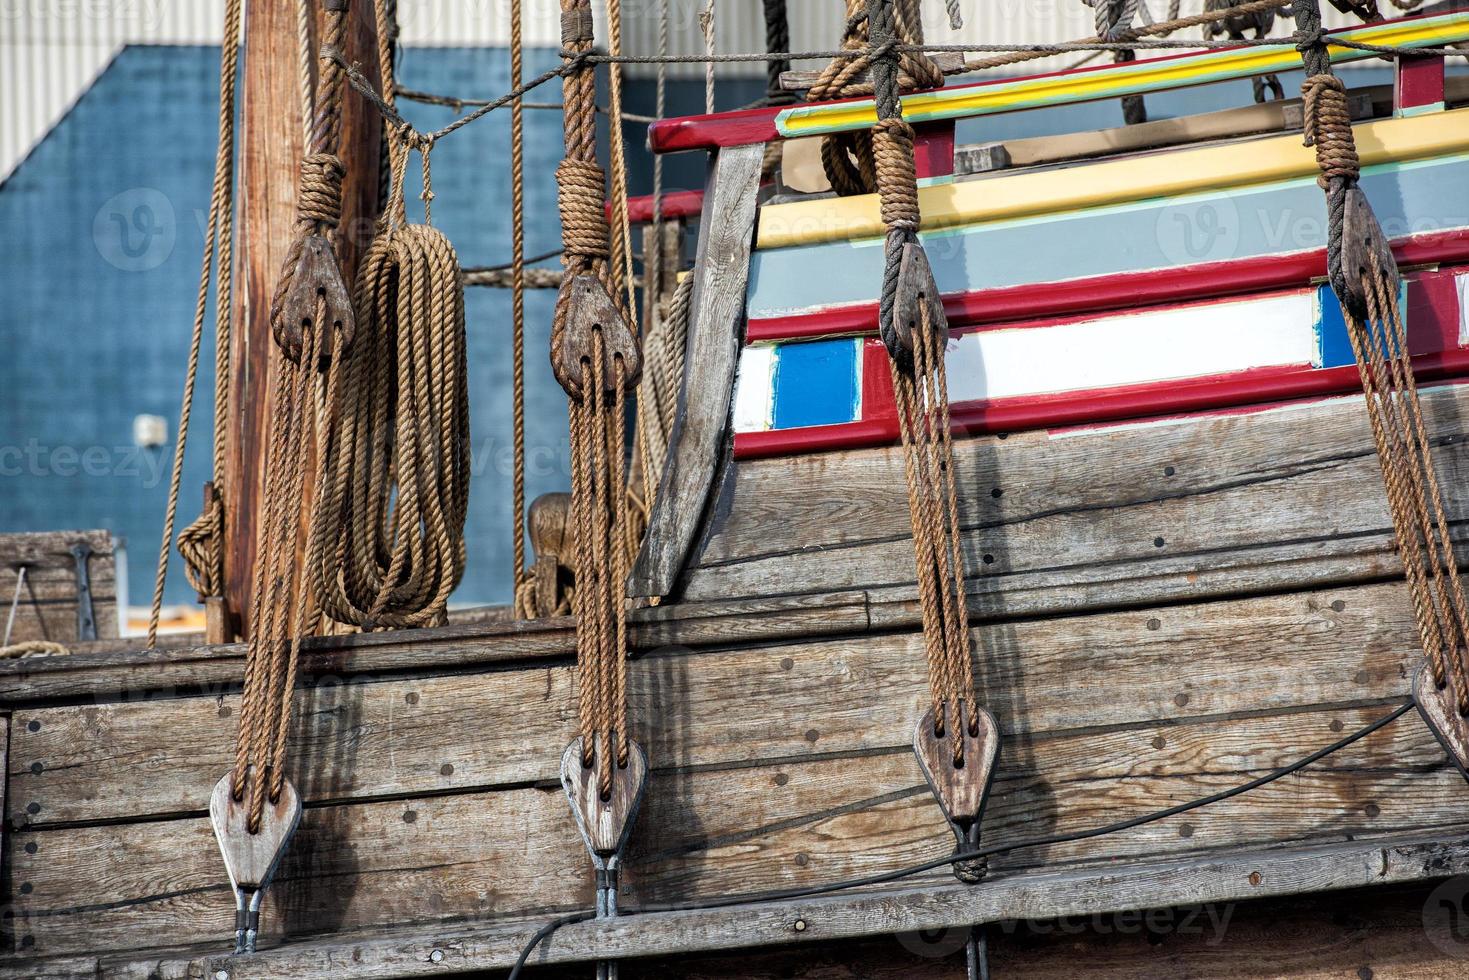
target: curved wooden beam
722 268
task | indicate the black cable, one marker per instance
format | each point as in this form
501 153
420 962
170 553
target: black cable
887 877
505 265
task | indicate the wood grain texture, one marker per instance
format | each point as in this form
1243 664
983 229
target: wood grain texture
1076 893
743 831
47 605
359 737
270 138
1173 510
696 445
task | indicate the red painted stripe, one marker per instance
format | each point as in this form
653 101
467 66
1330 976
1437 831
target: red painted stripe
1418 82
1433 328
933 149
676 204
1099 294
746 126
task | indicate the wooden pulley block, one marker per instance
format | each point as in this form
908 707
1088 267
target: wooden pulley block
316 277
251 859
555 549
1364 248
591 310
916 306
604 824
1441 715
961 790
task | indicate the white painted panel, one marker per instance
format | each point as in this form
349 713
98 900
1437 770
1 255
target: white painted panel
1462 282
754 389
1189 342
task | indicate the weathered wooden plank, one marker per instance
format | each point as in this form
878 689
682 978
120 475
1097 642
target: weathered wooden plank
1049 513
1377 933
130 672
46 605
419 951
726 235
710 833
360 736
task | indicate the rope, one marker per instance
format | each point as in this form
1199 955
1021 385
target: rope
202 543
596 358
387 536
920 388
847 158
518 285
310 327
32 648
1111 18
1365 278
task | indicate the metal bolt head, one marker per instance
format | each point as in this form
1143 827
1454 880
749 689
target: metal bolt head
437 956
221 975
800 925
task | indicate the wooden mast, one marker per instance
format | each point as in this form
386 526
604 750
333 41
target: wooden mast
271 135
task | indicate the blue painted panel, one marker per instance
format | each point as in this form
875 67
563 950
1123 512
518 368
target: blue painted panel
816 383
1334 348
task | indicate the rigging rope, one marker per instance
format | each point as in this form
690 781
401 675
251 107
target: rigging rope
848 157
201 544
386 545
311 320
916 336
1364 276
596 357
517 296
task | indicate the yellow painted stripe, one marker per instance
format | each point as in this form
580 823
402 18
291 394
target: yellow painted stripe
1109 182
1132 78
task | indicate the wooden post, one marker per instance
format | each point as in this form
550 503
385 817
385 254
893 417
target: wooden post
271 137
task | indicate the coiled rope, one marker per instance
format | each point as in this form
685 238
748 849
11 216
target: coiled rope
1365 279
387 538
387 533
848 158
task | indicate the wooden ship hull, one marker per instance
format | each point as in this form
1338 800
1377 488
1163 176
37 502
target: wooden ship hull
1181 573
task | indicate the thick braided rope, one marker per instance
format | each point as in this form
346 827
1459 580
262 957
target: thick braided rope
848 158
280 597
599 514
518 286
921 395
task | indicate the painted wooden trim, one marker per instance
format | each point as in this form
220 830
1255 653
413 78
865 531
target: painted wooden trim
1418 85
676 204
935 905
722 269
1095 294
743 126
1436 322
1112 81
1382 142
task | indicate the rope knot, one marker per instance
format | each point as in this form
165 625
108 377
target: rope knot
897 179
580 186
319 197
1328 127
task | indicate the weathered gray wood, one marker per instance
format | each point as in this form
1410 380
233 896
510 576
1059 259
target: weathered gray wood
1043 895
712 833
47 608
722 267
127 671
360 737
1089 518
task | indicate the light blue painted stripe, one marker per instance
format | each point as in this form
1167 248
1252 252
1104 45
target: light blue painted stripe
1270 219
817 383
